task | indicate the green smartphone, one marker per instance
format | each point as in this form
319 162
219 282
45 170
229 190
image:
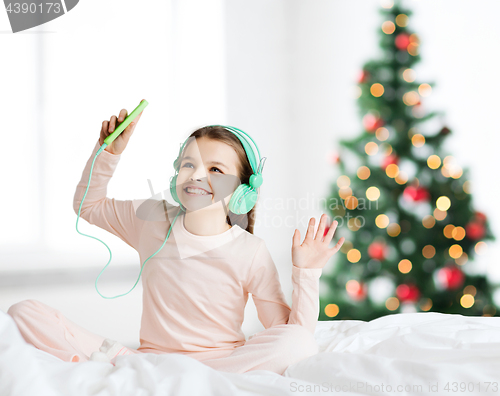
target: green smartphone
131 117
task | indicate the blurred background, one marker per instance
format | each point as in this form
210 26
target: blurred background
285 72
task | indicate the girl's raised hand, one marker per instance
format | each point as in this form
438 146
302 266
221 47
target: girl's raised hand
314 251
107 128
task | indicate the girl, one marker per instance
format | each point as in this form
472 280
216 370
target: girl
196 287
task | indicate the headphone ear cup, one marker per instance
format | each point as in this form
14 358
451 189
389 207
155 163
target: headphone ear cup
241 203
173 188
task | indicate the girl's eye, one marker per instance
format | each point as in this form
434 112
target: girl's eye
213 167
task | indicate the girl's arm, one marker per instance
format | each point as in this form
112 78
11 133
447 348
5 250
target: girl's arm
121 218
269 299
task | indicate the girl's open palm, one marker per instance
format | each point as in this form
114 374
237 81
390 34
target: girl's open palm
314 251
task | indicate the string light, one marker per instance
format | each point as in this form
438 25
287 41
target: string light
480 247
392 170
429 251
363 172
418 140
351 202
388 27
405 266
470 289
467 301
443 203
382 134
343 181
392 303
371 148
401 178
332 310
354 224
455 251
426 304
393 229
382 221
353 255
344 192
428 221
424 90
411 98
439 214
433 161
409 75
402 20
462 259
448 231
373 193
377 90
458 233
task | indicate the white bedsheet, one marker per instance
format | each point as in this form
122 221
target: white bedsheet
408 350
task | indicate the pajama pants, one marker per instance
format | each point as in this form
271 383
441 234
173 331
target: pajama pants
273 349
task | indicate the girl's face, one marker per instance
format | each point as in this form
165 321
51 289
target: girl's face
207 174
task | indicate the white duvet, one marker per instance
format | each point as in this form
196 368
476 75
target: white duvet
401 354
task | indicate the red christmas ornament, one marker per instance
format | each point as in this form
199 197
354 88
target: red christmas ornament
444 131
390 159
480 217
402 41
475 230
377 251
451 277
356 290
363 77
407 292
372 123
416 193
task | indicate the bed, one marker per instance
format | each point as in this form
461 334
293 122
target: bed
405 354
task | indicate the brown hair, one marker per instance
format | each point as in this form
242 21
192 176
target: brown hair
244 169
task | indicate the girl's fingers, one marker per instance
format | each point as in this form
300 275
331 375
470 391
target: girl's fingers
337 247
105 126
321 228
122 115
331 231
296 238
112 123
310 229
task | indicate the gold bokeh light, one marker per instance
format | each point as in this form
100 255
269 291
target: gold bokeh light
404 266
377 90
388 27
372 193
382 134
371 148
353 255
382 221
433 161
363 172
443 203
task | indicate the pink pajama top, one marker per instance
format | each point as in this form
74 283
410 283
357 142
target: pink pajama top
196 287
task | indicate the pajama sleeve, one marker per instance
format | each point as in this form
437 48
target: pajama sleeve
268 296
124 219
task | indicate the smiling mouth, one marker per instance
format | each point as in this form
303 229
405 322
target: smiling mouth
196 191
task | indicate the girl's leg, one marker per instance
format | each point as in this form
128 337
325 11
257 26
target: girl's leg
272 349
49 330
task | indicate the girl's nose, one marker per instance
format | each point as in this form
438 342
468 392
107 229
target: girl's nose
198 173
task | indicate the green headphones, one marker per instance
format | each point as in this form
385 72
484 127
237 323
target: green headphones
245 196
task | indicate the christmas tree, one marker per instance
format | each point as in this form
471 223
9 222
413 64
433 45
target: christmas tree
404 206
